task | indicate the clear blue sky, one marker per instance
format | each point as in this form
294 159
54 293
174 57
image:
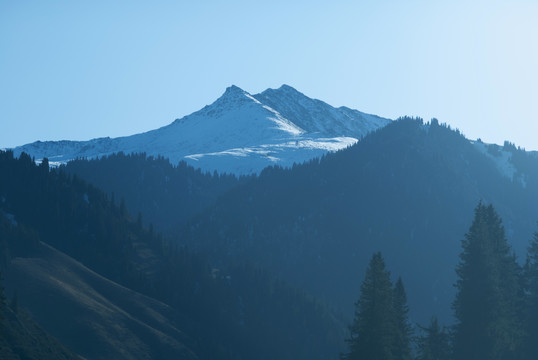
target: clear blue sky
84 69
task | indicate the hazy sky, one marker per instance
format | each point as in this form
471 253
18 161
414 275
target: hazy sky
84 69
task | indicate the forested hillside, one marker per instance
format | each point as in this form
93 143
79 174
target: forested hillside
407 190
166 195
230 313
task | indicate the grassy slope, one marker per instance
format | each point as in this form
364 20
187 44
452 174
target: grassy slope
92 315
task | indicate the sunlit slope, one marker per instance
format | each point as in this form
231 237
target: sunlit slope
92 315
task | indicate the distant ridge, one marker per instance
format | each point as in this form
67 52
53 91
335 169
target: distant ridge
239 133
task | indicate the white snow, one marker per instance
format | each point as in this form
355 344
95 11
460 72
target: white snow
239 133
501 158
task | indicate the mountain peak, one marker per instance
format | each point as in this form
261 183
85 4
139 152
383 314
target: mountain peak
287 88
284 89
233 97
234 90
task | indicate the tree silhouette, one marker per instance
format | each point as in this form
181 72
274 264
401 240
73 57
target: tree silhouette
403 330
372 331
531 309
488 285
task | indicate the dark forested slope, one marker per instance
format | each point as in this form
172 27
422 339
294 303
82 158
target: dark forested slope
237 312
166 195
407 190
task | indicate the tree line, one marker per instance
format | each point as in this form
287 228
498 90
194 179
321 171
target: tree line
495 308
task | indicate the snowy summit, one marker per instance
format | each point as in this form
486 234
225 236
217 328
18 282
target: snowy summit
239 133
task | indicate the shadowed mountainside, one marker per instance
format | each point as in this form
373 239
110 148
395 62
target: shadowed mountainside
236 312
408 190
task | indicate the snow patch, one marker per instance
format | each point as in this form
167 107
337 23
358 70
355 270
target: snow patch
284 154
501 158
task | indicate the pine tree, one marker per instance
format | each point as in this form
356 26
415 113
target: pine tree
403 330
2 301
531 309
372 331
434 344
2 312
486 304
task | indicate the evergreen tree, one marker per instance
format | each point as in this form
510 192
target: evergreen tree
403 330
531 309
2 301
435 343
488 285
372 331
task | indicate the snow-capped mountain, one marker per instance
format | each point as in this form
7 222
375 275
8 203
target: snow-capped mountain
317 116
239 133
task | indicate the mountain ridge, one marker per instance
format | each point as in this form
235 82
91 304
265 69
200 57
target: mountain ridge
238 133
